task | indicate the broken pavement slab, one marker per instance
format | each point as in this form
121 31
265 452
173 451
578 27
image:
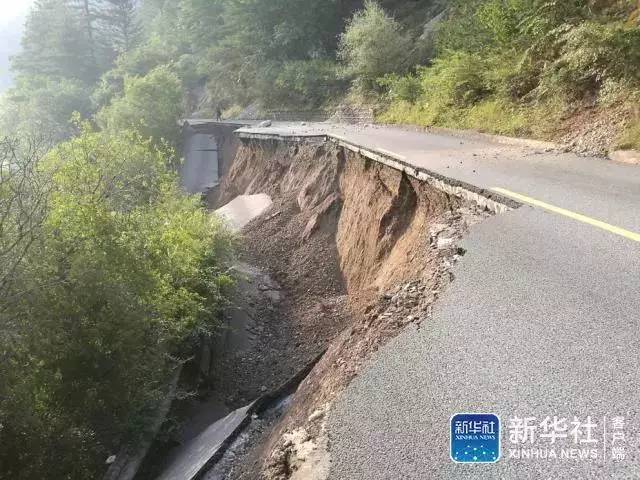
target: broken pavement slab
195 457
244 208
190 460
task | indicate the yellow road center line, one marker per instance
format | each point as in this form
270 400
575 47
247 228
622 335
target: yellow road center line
568 213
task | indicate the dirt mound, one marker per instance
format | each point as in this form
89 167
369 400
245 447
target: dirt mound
594 130
360 250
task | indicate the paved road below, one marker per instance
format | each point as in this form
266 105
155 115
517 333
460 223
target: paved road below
542 320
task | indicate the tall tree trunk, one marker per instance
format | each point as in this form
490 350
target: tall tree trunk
86 7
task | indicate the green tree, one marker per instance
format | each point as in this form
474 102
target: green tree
200 22
373 46
257 40
126 275
39 103
305 84
151 105
24 195
87 10
56 43
283 29
119 24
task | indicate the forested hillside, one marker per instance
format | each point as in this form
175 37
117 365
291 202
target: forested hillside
109 273
521 67
107 58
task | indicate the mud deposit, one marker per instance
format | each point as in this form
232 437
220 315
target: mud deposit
359 251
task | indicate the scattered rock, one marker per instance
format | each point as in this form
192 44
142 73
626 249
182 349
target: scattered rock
316 415
273 295
444 243
299 457
593 131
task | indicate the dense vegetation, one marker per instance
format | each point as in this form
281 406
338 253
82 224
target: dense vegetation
109 273
108 58
109 276
522 66
511 66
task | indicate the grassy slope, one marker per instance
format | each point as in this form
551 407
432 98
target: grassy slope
582 90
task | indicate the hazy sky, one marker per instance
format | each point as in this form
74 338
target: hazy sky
12 9
12 13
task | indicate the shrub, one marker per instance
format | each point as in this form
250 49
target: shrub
618 91
497 116
453 83
305 83
455 80
230 79
590 54
511 75
477 25
403 112
501 20
629 139
406 88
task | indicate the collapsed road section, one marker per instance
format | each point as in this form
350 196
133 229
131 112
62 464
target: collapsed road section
360 248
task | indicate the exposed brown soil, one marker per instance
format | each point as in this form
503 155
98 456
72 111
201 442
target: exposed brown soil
360 251
592 129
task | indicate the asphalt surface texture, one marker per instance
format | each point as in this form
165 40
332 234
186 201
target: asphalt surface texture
542 321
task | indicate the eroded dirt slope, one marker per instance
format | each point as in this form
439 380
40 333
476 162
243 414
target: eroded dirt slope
361 251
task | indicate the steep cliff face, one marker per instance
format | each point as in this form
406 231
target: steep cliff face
360 250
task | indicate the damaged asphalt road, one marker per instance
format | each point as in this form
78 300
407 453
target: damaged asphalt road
541 321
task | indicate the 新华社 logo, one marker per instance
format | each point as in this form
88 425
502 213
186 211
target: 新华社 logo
475 438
